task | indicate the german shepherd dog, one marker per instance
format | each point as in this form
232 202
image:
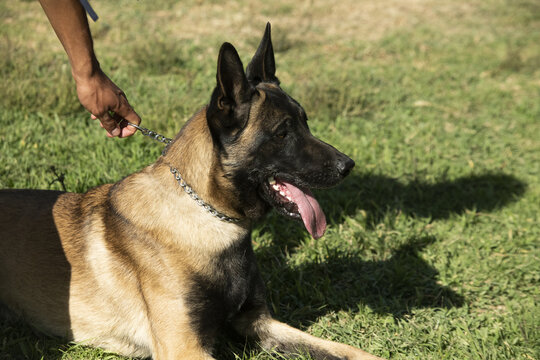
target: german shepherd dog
157 263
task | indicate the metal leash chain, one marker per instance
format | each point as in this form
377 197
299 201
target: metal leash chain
158 137
152 134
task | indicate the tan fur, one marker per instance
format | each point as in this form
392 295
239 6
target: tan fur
110 268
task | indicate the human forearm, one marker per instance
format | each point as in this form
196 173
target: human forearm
68 19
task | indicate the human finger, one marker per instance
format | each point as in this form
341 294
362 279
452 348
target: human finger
109 124
125 111
125 128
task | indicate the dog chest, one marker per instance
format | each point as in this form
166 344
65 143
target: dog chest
216 297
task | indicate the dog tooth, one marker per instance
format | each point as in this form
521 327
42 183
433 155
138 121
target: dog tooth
275 187
288 198
281 193
271 180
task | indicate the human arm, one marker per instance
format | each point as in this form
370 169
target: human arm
96 92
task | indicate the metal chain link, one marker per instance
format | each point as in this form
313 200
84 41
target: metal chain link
200 201
152 134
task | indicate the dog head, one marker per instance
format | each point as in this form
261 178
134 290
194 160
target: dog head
264 143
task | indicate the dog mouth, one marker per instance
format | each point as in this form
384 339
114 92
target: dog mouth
297 203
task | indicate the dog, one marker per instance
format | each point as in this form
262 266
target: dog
157 263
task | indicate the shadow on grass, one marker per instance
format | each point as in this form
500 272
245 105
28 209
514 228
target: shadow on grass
398 284
378 195
20 341
395 286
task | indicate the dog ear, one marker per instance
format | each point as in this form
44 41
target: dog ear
262 66
231 97
232 83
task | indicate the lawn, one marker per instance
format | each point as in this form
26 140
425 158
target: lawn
432 250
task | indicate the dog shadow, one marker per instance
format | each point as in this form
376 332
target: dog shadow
403 281
397 285
379 195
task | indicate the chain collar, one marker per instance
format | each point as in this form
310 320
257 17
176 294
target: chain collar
200 201
158 137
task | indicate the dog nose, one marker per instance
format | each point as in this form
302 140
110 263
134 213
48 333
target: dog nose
345 165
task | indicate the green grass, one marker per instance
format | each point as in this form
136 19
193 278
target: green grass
433 246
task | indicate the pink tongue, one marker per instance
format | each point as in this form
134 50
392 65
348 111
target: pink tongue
309 209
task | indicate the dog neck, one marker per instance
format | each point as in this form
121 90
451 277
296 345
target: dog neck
193 153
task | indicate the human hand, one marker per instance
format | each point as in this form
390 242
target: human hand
108 103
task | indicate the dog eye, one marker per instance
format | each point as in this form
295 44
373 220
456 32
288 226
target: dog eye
281 131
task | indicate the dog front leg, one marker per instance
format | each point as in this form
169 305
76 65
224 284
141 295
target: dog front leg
175 343
172 345
172 334
277 336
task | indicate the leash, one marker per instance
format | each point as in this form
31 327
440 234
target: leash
188 189
151 134
89 10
